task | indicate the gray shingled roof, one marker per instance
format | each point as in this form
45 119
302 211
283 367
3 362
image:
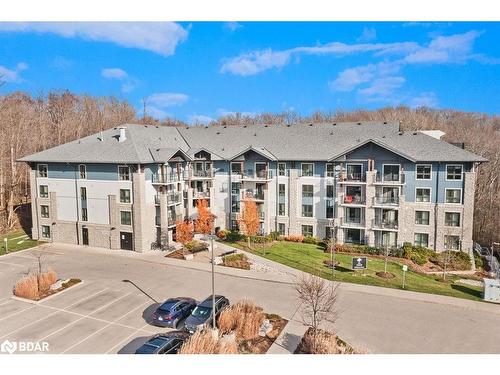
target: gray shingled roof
325 141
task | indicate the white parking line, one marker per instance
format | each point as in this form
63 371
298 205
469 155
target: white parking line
127 338
103 328
17 312
48 316
12 264
86 316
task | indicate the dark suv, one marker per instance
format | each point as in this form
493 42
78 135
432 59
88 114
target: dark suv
172 311
164 343
202 314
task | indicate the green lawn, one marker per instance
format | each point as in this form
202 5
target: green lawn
17 240
309 258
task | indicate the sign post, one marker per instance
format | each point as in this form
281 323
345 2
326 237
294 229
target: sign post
405 268
359 263
6 245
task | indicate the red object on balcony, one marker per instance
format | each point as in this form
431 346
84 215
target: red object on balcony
348 199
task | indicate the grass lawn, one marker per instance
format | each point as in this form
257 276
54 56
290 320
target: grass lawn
309 258
17 240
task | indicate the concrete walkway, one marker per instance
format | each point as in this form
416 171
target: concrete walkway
289 338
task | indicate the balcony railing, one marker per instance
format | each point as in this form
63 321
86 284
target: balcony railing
382 201
250 174
355 177
157 199
168 178
173 218
384 224
201 194
174 198
390 178
354 199
352 222
252 195
157 220
202 173
262 215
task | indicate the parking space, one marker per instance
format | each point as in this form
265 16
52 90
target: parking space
85 319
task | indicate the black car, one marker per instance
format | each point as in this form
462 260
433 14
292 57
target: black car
164 343
172 311
202 314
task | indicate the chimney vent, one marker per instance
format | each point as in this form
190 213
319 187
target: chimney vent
122 136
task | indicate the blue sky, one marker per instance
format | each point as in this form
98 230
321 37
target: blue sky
198 71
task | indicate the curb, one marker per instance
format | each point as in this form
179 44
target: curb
46 298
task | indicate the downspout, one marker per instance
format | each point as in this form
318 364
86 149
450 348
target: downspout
436 206
77 206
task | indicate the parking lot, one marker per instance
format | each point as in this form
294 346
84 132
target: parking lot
87 318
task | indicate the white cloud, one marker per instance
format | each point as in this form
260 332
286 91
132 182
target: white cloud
349 79
225 112
167 99
383 89
369 34
61 63
114 73
232 26
155 112
425 99
256 62
159 37
200 119
12 75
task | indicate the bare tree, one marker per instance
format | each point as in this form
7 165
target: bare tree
318 299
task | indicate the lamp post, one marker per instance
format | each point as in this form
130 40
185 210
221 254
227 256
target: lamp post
211 238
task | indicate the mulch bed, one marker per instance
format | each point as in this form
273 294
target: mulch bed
301 348
178 254
385 275
50 292
236 261
261 345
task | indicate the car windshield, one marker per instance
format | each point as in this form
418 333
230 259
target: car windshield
202 311
156 342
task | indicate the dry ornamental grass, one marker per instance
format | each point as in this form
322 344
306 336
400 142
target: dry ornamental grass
244 317
27 287
208 342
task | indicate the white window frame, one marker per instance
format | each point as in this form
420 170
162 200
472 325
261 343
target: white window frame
416 173
452 235
48 211
461 197
120 196
131 220
84 218
420 233
50 231
301 169
38 170
361 164
306 225
255 167
333 170
281 175
80 172
460 218
129 174
428 218
284 229
423 187
391 164
40 191
231 168
454 165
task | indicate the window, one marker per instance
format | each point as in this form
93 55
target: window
44 191
422 195
125 217
452 219
45 231
281 190
329 201
281 169
281 228
281 209
422 217
83 193
424 172
452 242
84 214
44 211
421 239
235 188
354 172
124 195
236 168
307 169
42 170
391 172
330 172
307 208
83 171
123 173
453 196
235 204
307 230
329 231
454 172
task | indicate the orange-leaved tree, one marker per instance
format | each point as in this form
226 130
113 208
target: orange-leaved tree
205 221
184 231
249 219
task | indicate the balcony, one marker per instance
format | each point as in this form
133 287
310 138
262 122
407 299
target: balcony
157 220
354 199
385 201
173 218
262 215
168 178
390 178
157 199
352 177
349 222
201 174
201 194
257 195
250 174
174 198
382 223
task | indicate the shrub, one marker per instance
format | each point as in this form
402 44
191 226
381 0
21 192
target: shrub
27 287
45 280
239 260
234 236
196 246
208 342
457 260
478 260
311 240
260 239
222 234
274 235
244 318
295 238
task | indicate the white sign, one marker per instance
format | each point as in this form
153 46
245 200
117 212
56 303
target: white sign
23 346
405 267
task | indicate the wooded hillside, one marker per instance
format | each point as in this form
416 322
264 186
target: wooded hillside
29 125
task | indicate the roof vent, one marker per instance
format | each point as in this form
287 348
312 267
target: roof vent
206 127
415 133
187 127
288 125
359 123
244 126
400 133
101 137
122 136
385 122
334 124
331 133
310 124
156 126
383 136
224 126
217 133
265 126
255 134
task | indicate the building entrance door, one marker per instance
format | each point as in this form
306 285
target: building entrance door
126 241
85 236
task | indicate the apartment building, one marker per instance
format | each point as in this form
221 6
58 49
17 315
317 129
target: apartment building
366 182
